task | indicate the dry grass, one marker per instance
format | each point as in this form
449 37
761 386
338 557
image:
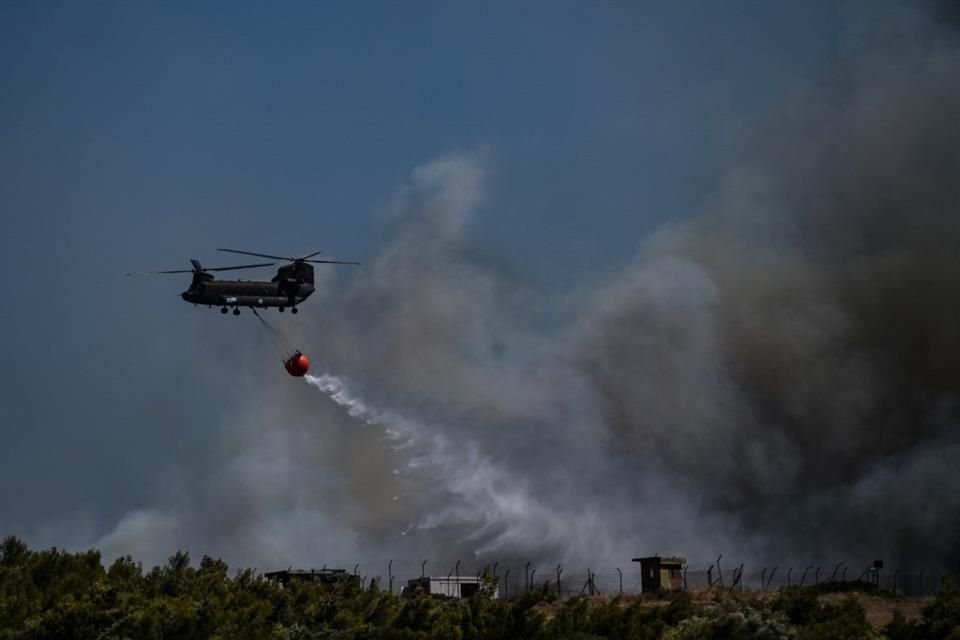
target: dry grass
879 610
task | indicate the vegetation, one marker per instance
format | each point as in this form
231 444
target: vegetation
55 594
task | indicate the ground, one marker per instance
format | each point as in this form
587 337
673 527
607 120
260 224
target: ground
878 609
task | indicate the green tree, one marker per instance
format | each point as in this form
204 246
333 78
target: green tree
844 621
899 628
942 617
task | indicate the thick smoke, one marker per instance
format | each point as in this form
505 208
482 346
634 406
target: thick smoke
776 379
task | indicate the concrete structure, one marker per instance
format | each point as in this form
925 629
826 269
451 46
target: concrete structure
326 577
661 574
453 587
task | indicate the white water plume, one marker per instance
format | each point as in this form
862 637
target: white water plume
427 444
497 507
395 426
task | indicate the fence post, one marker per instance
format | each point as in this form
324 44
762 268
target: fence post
621 579
390 575
685 569
526 577
816 576
710 577
833 576
457 570
763 579
719 570
506 584
356 569
804 576
423 569
589 585
843 576
559 571
737 576
772 573
533 573
789 581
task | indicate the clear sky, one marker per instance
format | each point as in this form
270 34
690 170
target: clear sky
135 136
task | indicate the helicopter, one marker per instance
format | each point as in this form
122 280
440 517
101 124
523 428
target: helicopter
292 284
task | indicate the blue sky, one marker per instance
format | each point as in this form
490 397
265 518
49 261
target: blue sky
137 135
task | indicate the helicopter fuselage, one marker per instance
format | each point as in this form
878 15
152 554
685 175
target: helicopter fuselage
244 293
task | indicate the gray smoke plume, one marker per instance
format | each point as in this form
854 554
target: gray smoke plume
775 379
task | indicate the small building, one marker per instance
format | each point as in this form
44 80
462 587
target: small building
325 577
661 574
450 586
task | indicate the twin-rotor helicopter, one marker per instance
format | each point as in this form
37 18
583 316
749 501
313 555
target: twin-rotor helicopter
292 284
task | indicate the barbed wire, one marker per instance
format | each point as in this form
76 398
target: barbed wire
516 579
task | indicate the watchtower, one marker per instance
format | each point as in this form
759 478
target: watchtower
661 574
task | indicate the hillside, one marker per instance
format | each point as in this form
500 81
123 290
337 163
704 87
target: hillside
57 594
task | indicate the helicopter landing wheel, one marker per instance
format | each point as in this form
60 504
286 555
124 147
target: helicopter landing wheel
236 311
294 310
223 309
280 309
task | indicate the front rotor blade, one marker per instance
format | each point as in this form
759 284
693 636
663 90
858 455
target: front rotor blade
242 266
332 262
259 255
315 253
155 273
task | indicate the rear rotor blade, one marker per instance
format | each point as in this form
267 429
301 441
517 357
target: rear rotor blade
242 266
332 262
259 255
315 253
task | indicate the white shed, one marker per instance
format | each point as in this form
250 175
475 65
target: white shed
453 587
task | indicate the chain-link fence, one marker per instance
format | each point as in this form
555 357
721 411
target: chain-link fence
516 579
